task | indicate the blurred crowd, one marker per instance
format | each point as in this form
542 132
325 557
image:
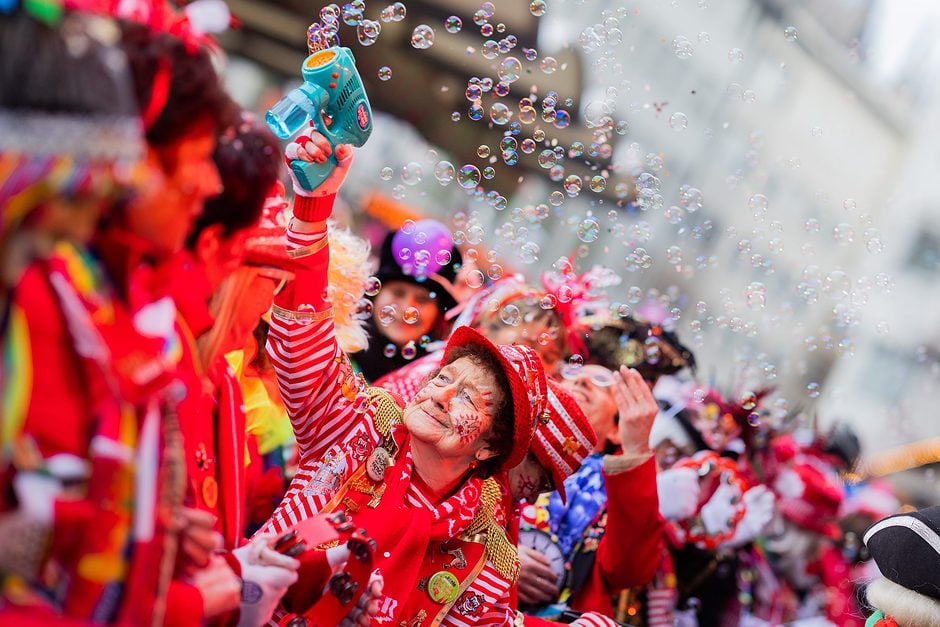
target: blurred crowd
219 406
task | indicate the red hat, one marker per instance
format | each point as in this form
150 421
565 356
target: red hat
527 384
809 495
563 437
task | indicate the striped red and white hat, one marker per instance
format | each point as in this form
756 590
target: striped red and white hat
563 436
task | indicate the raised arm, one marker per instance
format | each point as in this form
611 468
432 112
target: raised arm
311 369
629 551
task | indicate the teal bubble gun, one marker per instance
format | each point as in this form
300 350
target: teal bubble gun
332 95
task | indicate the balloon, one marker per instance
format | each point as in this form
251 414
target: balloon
423 248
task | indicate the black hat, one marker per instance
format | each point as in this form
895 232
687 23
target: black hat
906 548
613 342
441 283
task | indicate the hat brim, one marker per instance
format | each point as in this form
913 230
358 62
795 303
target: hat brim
521 406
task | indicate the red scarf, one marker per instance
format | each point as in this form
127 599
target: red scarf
403 529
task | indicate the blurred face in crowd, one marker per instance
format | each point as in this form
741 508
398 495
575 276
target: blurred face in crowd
164 215
252 304
591 386
529 479
401 297
536 328
220 255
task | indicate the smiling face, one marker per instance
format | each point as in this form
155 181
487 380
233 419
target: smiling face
454 412
592 387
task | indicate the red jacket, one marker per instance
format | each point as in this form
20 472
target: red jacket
212 417
628 552
93 391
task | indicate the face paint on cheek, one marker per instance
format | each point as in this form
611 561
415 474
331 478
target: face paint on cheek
467 426
487 397
526 488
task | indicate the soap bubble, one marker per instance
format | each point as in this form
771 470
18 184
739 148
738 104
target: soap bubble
422 37
469 176
500 113
509 70
573 185
549 65
736 55
537 8
373 286
409 351
368 31
411 173
756 295
475 279
588 230
453 24
510 315
444 172
598 183
410 315
758 203
682 47
387 314
386 173
385 73
790 33
678 121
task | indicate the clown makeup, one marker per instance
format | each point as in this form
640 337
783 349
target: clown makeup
455 409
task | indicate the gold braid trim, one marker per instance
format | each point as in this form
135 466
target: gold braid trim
485 530
305 317
306 251
387 415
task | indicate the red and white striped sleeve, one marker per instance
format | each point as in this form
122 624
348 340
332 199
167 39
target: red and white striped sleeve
309 364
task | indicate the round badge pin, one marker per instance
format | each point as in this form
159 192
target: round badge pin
210 491
377 464
443 587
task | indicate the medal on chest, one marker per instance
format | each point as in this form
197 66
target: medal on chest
443 587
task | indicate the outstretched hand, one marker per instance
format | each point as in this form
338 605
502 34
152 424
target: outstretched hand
637 409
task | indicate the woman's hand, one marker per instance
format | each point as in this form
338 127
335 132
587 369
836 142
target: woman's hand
637 409
312 147
368 604
198 539
219 587
537 581
266 576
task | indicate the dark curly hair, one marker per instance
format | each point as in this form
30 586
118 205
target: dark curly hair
248 158
503 428
195 94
